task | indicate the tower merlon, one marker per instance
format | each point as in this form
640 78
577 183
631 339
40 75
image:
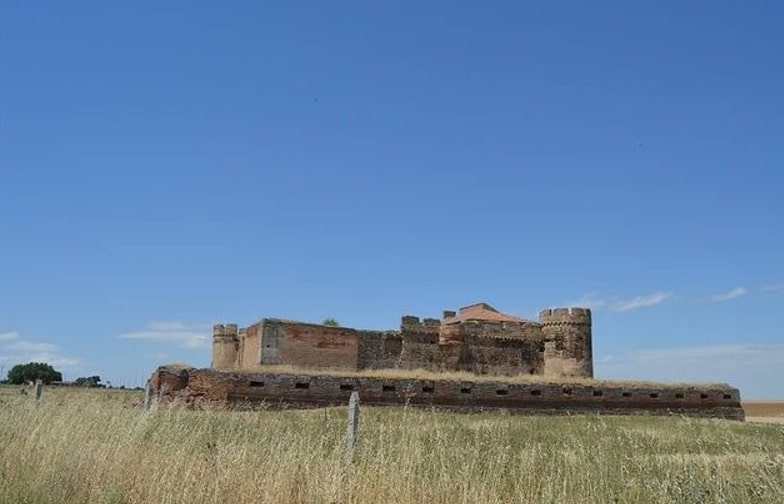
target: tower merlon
570 315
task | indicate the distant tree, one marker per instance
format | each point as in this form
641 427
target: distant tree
330 322
32 371
88 381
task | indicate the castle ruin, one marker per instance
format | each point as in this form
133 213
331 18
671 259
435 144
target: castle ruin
543 367
477 338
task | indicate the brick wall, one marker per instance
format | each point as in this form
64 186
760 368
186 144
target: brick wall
554 398
312 345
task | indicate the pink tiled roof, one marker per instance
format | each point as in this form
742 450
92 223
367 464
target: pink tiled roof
482 311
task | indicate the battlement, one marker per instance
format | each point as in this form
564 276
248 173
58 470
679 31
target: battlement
572 316
225 331
412 324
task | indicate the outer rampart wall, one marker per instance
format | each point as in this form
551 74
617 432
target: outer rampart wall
554 398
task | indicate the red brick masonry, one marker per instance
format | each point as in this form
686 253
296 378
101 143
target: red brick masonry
241 388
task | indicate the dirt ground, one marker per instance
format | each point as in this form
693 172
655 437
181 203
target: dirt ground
764 411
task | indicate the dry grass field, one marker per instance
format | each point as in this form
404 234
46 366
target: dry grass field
97 446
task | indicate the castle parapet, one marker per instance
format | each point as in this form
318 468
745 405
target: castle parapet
572 315
428 327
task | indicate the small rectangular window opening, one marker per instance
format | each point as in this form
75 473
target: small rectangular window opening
703 396
301 385
427 388
465 390
598 393
256 383
627 394
567 391
654 395
679 395
502 392
727 396
347 386
536 392
388 388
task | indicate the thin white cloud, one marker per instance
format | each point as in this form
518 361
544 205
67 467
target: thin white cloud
16 350
729 295
616 304
9 336
641 301
772 288
757 369
191 336
30 347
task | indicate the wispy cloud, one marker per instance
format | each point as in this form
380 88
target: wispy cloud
14 349
192 336
9 336
729 295
772 288
618 304
641 301
756 368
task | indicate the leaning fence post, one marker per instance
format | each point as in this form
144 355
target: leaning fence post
147 395
39 388
353 421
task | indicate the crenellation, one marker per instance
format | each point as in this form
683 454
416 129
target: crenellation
477 338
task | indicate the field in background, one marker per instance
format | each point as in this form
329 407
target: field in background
97 446
764 411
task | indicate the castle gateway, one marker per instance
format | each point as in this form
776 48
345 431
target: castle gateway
477 338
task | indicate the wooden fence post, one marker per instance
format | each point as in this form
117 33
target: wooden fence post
39 388
353 421
147 396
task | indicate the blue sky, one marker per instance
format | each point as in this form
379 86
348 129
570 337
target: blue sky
167 165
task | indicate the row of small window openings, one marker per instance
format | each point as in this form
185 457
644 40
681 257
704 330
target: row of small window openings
466 390
653 395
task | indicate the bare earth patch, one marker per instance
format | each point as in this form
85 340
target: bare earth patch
764 411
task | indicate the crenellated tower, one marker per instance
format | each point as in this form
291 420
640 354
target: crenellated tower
567 342
225 342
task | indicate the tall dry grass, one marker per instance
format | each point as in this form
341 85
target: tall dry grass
96 447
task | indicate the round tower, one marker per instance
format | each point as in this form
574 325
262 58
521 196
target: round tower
224 345
567 342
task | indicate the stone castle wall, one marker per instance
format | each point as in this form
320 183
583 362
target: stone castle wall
559 345
290 390
308 345
379 349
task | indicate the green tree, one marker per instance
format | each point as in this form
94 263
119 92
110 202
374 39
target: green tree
88 381
32 371
330 322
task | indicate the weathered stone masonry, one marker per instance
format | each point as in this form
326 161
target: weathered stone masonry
244 389
477 339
